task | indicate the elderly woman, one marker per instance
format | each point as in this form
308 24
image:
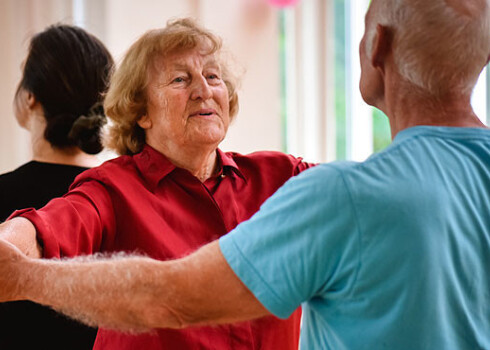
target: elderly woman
171 102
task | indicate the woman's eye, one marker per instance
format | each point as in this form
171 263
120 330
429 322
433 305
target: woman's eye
178 80
213 77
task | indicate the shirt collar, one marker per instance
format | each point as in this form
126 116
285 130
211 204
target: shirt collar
226 161
154 166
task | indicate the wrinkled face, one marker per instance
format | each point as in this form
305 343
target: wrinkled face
187 102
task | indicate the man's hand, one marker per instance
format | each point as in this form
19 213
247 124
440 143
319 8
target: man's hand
12 262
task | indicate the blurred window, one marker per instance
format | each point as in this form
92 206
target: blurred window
324 116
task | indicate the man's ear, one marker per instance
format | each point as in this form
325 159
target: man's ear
144 122
381 46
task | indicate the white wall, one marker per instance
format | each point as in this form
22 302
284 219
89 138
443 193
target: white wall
249 29
19 19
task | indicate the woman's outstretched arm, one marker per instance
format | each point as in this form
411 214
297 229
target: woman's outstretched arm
21 233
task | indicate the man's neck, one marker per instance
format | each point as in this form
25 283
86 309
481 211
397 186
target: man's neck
406 109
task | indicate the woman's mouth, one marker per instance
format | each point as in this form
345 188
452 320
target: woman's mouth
203 113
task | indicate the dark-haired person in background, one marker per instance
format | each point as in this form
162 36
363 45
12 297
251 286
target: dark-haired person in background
59 101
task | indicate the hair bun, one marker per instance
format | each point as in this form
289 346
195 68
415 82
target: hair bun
85 131
57 129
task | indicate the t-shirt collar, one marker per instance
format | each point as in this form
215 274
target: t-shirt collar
154 166
440 131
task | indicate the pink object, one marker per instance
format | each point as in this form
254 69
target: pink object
283 3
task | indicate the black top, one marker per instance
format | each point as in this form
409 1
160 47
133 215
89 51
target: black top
26 325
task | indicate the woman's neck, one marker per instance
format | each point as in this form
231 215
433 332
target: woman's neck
200 161
202 165
43 151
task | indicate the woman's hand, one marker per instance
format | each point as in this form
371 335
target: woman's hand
12 263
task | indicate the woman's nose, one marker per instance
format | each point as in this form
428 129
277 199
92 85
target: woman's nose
201 89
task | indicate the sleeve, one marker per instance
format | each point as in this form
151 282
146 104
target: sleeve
302 244
75 224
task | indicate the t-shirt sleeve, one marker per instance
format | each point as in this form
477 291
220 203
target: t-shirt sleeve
302 244
74 224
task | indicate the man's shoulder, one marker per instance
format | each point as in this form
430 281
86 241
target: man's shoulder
328 171
318 183
349 177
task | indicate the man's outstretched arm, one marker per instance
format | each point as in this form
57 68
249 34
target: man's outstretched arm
132 293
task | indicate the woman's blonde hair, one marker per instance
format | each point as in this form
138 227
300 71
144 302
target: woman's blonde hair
126 101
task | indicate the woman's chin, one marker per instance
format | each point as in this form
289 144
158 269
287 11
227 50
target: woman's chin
206 140
206 135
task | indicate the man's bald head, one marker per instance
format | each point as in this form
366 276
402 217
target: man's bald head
440 46
469 8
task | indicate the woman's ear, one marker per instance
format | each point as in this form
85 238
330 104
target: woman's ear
144 122
25 105
25 98
31 99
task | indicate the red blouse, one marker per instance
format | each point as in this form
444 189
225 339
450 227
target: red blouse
143 203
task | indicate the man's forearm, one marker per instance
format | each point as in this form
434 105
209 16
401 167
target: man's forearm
114 293
111 292
134 293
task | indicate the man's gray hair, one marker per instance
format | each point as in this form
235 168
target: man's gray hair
437 48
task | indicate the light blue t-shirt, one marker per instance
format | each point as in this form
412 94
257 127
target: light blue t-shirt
391 253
